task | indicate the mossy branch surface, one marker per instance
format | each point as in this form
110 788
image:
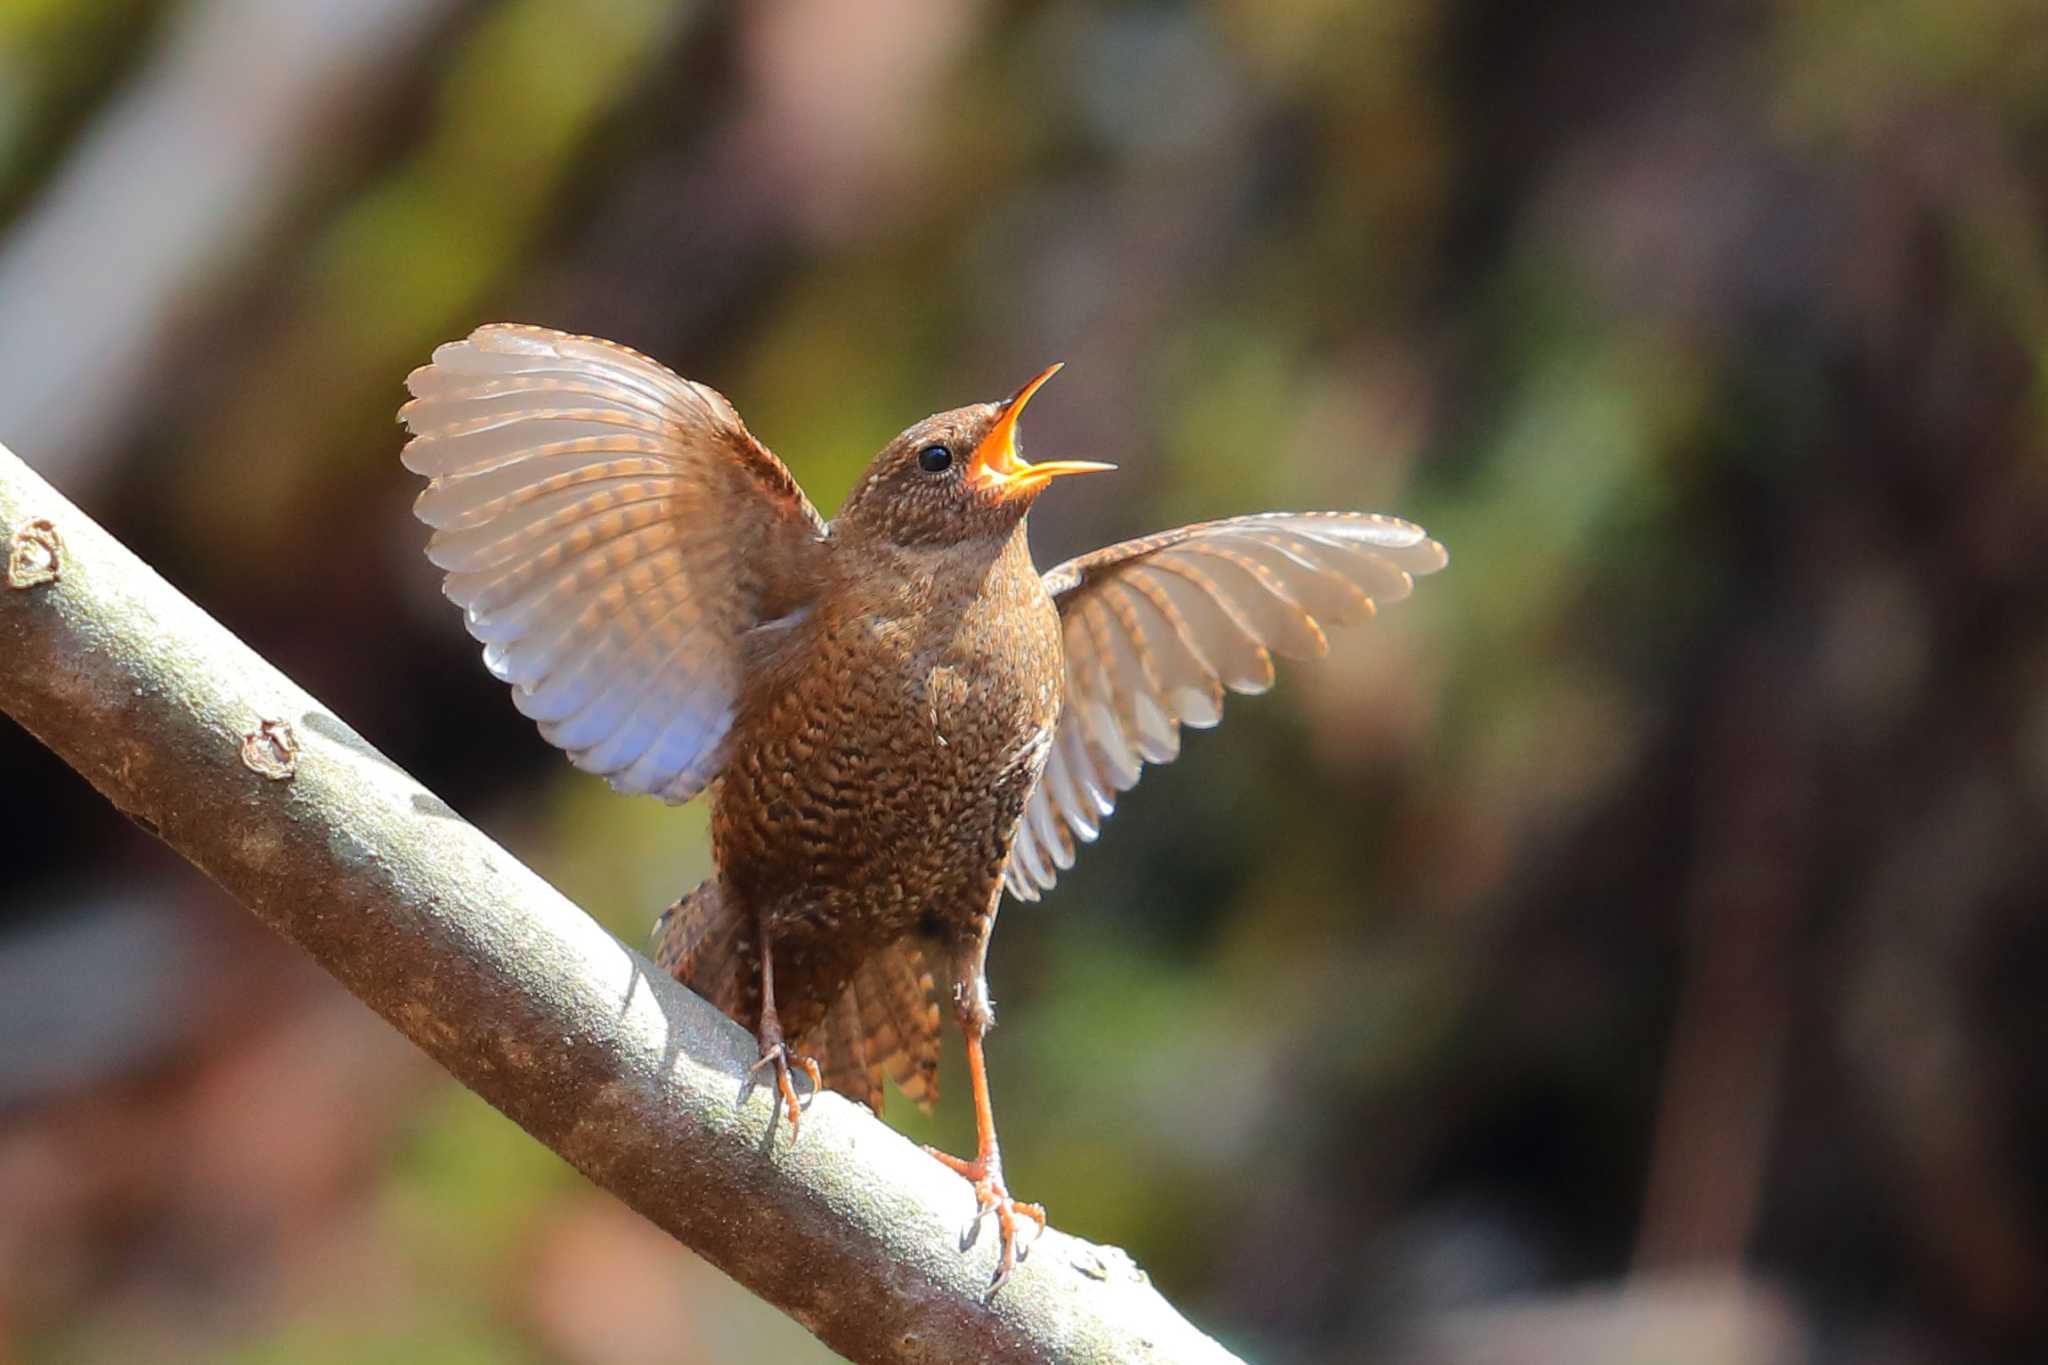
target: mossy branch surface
585 1044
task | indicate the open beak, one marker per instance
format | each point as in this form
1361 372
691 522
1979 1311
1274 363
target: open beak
997 466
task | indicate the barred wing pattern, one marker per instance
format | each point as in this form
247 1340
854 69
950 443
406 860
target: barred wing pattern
1155 629
612 532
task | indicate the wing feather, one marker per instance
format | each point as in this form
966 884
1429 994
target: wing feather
611 531
1156 629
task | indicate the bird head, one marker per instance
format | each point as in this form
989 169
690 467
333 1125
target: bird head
957 476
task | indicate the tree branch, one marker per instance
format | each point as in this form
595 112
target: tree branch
522 997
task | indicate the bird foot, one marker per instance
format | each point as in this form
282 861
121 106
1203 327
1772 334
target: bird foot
776 1053
990 1196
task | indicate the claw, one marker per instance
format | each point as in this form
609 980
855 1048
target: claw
777 1054
990 1196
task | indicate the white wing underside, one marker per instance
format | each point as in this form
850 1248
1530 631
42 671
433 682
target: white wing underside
1156 629
583 504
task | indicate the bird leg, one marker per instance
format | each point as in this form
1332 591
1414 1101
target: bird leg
986 1169
775 1051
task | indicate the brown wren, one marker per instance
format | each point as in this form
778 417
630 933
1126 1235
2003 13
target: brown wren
897 716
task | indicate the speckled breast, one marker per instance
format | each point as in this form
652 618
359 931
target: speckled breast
879 777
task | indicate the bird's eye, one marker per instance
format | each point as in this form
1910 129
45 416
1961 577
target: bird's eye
935 459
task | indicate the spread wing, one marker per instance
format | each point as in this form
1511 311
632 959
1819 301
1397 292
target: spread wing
1155 629
612 532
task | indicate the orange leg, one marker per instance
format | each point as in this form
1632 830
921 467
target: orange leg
986 1169
774 1051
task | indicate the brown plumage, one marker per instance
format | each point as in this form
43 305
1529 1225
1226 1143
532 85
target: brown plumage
896 714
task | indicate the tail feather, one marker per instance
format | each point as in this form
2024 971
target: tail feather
900 1010
840 1045
885 1024
706 945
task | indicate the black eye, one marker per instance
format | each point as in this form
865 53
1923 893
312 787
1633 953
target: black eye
935 459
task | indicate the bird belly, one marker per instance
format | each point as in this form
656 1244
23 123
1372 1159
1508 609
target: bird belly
875 792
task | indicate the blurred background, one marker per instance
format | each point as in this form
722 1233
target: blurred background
1630 950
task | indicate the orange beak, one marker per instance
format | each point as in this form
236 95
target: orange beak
996 465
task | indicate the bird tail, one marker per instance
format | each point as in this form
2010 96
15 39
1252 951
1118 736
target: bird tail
702 940
884 1024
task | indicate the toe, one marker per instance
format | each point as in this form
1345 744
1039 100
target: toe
777 1056
788 1089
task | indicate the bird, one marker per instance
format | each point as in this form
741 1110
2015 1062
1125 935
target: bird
897 717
